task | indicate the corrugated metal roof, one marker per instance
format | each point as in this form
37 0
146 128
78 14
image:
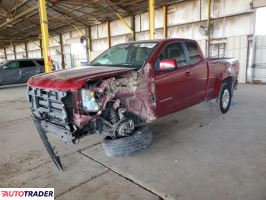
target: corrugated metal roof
19 19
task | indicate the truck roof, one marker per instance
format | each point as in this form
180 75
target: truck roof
24 59
159 40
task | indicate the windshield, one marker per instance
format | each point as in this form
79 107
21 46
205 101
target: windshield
126 55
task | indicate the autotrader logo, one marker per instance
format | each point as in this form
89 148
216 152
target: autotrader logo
26 193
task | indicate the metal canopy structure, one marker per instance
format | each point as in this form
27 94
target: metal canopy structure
20 22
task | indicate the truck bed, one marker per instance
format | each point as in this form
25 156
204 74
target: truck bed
215 67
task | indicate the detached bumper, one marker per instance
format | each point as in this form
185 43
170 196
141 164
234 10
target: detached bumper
58 131
47 144
52 109
50 112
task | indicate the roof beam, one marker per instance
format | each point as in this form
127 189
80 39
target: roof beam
19 15
64 12
118 8
19 5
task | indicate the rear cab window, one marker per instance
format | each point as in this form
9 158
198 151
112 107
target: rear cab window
176 52
194 53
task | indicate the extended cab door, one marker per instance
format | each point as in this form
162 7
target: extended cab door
172 86
28 69
196 72
10 73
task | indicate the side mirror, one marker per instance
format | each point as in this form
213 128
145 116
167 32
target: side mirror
167 65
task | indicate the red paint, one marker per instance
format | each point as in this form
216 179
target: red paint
72 79
157 93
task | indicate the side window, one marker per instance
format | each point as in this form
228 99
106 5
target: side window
40 62
174 51
26 63
12 65
193 52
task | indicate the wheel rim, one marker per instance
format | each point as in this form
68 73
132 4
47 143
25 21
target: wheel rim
225 98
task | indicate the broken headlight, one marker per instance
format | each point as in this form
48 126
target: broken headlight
88 100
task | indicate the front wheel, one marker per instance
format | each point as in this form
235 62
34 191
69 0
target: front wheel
129 145
224 98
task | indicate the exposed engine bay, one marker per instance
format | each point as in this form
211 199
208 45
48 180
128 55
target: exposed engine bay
112 107
99 110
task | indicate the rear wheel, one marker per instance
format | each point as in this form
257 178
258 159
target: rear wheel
129 145
224 98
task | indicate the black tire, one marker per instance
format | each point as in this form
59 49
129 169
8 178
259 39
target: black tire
222 104
127 146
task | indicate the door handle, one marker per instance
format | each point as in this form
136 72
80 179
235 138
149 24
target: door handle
188 73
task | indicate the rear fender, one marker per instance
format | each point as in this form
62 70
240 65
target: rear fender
227 74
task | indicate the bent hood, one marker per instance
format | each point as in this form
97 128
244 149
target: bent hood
72 79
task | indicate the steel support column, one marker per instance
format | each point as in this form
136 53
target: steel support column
41 47
133 28
87 34
26 49
109 33
5 53
62 51
151 18
45 35
14 50
209 26
165 31
89 38
209 13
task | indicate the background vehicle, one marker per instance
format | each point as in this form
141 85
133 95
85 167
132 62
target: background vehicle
20 70
125 87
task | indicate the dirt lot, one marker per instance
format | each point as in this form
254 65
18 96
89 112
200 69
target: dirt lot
196 154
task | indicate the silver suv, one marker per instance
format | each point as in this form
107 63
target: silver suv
20 70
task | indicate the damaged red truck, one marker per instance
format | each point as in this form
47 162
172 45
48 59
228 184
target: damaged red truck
126 87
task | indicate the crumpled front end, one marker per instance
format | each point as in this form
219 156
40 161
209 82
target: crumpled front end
53 110
112 106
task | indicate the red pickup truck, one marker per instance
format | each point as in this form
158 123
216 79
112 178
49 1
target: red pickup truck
126 87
